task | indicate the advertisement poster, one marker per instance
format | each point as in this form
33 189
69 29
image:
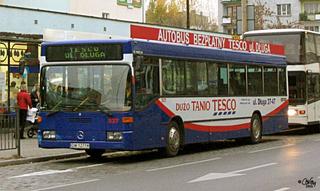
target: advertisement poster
3 86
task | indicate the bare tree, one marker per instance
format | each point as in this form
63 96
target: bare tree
264 18
278 24
173 13
262 13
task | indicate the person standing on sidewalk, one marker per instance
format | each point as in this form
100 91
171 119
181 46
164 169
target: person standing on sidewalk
35 95
24 101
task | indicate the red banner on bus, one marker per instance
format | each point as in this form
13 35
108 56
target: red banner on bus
202 39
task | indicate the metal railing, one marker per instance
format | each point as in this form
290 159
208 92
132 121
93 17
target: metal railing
9 131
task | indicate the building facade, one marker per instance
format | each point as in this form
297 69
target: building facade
310 14
112 9
262 14
128 10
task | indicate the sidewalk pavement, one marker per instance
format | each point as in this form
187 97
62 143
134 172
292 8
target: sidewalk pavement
30 152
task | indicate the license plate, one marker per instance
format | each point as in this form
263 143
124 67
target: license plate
79 145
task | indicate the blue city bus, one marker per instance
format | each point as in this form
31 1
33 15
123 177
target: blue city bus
134 94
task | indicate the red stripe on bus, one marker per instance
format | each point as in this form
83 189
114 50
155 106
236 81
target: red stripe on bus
276 111
206 128
165 109
233 127
216 128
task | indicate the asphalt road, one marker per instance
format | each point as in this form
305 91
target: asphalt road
287 161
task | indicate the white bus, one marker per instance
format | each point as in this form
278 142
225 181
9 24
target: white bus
302 48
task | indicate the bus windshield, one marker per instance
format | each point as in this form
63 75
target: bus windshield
291 42
297 88
86 88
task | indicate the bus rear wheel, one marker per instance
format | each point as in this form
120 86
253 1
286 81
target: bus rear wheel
255 129
95 153
173 140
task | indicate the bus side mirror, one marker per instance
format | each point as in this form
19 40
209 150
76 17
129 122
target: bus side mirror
138 62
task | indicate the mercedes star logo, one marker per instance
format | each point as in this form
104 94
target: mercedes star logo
80 135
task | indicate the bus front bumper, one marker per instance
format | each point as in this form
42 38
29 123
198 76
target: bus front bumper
84 145
298 121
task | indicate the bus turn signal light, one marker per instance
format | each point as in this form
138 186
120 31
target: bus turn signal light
302 112
127 120
39 119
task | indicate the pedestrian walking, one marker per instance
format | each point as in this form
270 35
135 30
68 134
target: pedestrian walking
13 93
35 95
24 101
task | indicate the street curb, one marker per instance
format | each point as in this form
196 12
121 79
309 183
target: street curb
41 159
108 154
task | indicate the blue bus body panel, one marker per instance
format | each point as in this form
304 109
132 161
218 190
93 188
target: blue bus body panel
214 54
142 134
183 52
148 130
93 126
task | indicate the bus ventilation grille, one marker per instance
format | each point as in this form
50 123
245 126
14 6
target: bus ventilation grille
80 120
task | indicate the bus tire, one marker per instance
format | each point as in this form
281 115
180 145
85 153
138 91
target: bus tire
255 129
173 140
95 153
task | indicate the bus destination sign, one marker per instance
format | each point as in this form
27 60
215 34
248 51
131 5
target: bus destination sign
84 52
209 40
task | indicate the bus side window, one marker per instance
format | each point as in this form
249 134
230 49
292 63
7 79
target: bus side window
318 46
237 80
202 79
213 78
255 80
169 77
223 80
282 82
313 87
311 55
270 87
147 82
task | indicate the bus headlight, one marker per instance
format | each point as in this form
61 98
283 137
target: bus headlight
49 134
292 112
114 136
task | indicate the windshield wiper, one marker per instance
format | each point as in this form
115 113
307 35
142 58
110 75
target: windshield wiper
53 110
103 110
50 113
62 108
54 107
84 101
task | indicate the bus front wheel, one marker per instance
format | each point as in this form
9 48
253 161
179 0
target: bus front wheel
95 153
173 139
255 129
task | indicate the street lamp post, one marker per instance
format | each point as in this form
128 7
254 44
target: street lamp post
244 5
143 12
188 14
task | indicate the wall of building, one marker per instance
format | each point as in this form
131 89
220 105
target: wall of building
32 21
83 7
115 11
272 4
56 5
311 19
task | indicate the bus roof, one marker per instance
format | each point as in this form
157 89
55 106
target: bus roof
169 50
277 31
